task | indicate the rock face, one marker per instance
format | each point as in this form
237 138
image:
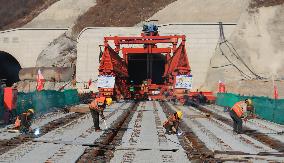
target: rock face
254 50
59 53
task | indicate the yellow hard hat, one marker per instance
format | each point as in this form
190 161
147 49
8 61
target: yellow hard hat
248 101
108 101
179 114
31 110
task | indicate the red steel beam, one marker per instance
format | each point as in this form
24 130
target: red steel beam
145 50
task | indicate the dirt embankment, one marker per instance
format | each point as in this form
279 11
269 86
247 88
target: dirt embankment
106 13
114 13
16 13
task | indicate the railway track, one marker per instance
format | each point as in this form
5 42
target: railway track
104 145
6 145
136 132
195 149
261 137
225 146
145 139
268 128
63 144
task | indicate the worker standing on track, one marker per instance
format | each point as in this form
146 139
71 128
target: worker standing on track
238 112
24 121
172 123
97 107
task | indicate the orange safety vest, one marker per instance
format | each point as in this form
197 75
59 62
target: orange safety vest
238 109
97 103
17 122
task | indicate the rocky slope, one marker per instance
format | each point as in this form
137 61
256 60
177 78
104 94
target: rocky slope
258 41
62 49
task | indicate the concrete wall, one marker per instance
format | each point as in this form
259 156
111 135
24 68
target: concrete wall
25 44
201 43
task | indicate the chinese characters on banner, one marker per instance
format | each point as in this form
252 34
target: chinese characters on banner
106 81
184 81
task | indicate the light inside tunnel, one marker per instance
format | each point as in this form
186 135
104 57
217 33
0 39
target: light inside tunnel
146 66
9 68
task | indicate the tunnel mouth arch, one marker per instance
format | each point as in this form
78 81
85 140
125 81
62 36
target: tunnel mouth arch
9 68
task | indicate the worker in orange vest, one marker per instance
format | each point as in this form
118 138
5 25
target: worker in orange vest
24 121
97 107
172 123
237 112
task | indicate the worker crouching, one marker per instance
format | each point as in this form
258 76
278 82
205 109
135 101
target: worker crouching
97 107
172 123
24 121
238 113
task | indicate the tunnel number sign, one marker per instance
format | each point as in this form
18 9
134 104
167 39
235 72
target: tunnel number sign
184 81
106 81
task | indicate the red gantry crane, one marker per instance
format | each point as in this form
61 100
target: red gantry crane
154 66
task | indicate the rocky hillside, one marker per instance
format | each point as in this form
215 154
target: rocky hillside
62 49
254 52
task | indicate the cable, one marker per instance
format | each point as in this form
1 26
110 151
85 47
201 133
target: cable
222 66
240 58
223 40
241 72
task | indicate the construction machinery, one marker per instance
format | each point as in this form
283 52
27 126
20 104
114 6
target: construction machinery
151 66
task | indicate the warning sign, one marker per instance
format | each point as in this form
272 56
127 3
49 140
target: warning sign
184 81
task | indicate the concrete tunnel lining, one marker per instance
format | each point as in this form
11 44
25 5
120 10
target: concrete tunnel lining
137 68
9 68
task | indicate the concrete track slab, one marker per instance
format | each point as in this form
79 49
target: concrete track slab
38 122
224 134
219 136
269 128
65 144
144 141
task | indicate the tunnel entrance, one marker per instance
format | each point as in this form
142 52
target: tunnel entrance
146 66
9 68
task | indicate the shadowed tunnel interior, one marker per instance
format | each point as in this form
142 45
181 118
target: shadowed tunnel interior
9 68
138 71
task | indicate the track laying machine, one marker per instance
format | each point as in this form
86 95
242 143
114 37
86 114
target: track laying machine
148 66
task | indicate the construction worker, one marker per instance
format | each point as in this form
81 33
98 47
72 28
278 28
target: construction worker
24 121
97 107
237 113
172 123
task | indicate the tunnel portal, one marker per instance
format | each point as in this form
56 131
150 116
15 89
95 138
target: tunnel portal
146 66
9 68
